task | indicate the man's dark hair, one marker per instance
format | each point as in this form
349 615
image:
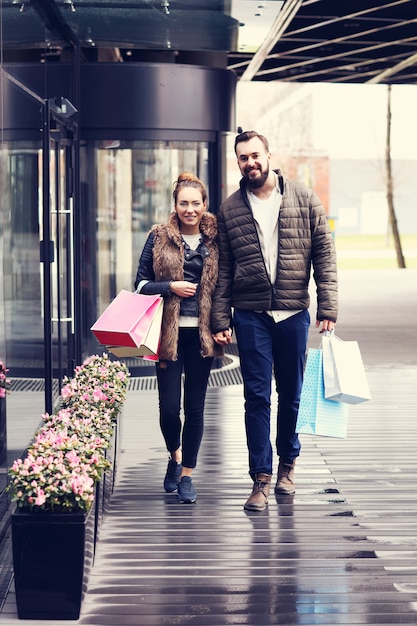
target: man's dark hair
250 134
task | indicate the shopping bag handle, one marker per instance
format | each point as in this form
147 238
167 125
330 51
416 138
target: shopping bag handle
331 333
327 333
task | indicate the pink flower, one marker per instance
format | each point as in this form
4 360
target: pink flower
16 464
66 392
40 497
98 395
73 458
64 415
81 483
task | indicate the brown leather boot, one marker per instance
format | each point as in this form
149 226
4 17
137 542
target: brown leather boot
285 480
258 500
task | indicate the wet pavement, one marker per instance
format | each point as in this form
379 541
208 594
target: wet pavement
341 551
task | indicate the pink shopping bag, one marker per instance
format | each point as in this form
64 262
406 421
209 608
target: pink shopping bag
131 325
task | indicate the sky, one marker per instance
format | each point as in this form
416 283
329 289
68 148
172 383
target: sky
363 109
349 120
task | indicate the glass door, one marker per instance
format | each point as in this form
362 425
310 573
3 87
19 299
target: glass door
57 248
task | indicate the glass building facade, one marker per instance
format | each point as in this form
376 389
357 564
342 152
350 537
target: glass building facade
127 187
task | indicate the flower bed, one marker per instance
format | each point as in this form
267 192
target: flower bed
4 389
67 456
4 381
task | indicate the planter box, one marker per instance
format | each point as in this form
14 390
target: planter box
112 454
52 557
105 487
53 552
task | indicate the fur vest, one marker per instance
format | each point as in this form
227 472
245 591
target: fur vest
168 264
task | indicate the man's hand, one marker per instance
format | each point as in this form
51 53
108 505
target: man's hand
327 325
223 337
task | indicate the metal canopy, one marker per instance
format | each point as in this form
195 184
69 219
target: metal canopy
353 41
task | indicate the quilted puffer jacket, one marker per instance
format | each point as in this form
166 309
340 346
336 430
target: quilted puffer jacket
305 243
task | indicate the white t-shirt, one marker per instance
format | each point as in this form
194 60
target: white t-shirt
265 214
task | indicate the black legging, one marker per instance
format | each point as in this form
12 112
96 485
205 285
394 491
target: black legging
169 375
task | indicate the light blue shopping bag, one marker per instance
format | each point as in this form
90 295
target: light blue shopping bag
316 414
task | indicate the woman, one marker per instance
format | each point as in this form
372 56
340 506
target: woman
180 262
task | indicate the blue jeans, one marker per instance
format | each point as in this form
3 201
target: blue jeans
266 347
169 376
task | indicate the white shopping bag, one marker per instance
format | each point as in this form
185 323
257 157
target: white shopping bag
344 373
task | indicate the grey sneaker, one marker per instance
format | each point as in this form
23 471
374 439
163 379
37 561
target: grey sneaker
172 477
186 492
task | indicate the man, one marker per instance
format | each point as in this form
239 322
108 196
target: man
271 233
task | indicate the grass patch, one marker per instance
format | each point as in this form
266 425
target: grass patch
374 251
374 242
365 263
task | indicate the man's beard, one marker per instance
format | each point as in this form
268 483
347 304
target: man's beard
256 183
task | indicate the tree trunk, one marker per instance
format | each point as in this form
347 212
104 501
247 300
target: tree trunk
390 189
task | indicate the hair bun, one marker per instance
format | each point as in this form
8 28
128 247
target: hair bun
186 176
188 179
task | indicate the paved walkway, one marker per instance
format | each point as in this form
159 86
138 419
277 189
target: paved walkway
341 551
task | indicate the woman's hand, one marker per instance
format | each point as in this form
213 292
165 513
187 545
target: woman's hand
183 288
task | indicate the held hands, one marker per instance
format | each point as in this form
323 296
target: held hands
327 325
183 288
223 337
